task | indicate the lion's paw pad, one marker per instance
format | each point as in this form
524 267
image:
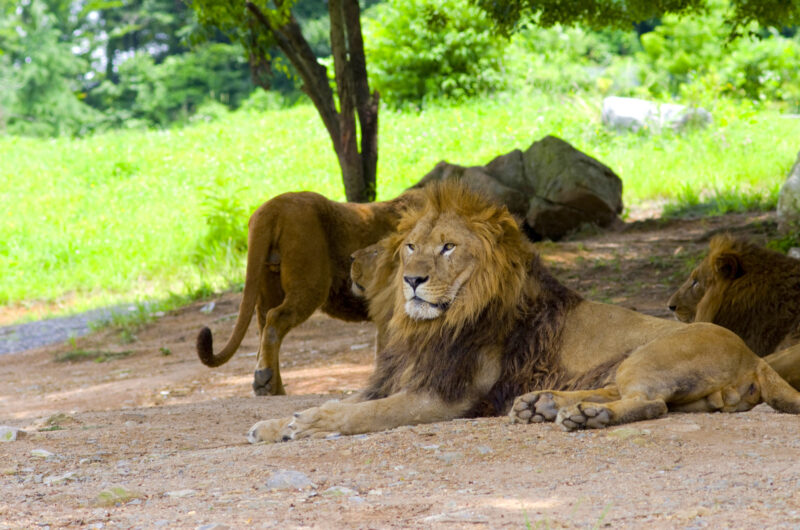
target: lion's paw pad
583 416
534 407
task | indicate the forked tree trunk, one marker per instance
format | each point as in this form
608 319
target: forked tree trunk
357 155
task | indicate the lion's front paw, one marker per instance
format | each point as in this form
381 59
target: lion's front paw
269 431
317 422
534 407
584 416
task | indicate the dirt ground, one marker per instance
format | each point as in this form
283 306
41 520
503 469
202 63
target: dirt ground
155 439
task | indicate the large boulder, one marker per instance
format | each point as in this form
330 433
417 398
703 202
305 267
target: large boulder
789 201
636 114
553 187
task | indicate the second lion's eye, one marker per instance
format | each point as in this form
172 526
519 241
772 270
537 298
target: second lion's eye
447 248
410 247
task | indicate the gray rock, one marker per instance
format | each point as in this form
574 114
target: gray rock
572 189
284 479
789 201
635 114
41 453
552 187
450 457
60 479
794 252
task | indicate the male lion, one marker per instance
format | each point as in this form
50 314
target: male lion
298 260
476 320
750 290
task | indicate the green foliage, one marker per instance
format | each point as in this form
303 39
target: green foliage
39 75
687 56
423 49
566 60
98 356
510 15
226 224
693 202
120 216
148 93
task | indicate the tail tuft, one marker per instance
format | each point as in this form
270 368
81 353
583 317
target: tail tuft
205 347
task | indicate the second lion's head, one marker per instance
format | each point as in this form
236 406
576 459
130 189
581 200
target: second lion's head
455 256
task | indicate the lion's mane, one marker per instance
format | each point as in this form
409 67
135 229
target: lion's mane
753 291
510 301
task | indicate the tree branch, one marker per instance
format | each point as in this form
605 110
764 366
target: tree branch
291 42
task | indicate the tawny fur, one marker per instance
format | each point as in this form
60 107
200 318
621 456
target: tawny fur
753 291
298 261
474 319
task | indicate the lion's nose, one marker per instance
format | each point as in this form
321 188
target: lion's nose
672 307
415 281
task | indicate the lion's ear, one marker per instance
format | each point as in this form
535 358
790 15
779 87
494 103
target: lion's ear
728 266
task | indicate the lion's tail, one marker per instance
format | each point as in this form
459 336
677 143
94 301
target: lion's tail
776 392
258 247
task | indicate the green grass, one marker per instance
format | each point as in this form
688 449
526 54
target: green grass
123 216
98 356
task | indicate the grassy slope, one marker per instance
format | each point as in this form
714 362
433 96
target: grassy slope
117 216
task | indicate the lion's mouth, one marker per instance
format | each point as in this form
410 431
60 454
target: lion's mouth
357 289
421 309
442 306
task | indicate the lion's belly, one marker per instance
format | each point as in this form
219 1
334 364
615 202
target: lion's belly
597 333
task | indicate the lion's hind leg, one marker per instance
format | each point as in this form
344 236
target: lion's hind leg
775 391
539 406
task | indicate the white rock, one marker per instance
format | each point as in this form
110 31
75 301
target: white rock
8 434
181 494
41 453
635 114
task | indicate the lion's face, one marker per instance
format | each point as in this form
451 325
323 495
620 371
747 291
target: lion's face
683 303
700 296
362 268
437 259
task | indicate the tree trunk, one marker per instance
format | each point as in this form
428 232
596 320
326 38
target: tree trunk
358 166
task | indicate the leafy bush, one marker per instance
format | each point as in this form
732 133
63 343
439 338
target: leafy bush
423 49
686 56
149 93
566 59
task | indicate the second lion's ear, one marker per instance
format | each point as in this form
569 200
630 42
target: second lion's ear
728 266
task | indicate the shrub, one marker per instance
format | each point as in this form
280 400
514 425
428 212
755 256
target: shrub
423 49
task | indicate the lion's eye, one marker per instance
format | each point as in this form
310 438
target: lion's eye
410 247
447 248
695 284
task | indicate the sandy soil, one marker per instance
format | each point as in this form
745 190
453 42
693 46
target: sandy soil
155 439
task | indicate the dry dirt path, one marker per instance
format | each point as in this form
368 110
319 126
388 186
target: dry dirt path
150 440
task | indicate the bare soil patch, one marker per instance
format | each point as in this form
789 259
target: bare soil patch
152 438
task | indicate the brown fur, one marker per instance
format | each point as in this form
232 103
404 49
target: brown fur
298 259
475 319
753 291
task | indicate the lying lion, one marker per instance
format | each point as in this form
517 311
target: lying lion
475 320
750 290
298 260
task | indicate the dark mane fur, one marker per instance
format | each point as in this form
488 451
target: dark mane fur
448 364
530 351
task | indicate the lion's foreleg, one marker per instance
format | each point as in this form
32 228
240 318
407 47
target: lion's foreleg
539 406
375 415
